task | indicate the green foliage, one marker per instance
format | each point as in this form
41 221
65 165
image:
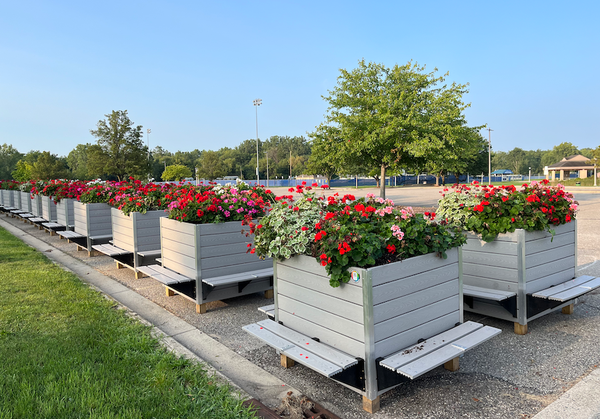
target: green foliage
176 172
77 160
49 166
490 211
210 166
23 171
558 153
326 142
120 151
9 156
399 116
67 352
344 232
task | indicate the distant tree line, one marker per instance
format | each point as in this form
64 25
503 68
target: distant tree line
381 122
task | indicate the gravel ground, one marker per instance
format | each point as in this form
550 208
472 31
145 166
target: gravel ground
510 376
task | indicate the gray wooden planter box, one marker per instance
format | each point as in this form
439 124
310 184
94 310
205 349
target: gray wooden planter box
36 205
386 309
522 262
25 201
7 198
202 251
48 209
137 233
65 213
93 222
17 199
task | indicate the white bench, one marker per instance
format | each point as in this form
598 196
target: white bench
69 235
268 310
171 278
418 359
110 250
569 290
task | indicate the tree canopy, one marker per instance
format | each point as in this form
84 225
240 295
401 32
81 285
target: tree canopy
399 116
120 151
176 172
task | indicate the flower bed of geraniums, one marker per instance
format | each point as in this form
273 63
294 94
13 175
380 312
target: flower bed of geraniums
330 252
361 276
521 241
202 239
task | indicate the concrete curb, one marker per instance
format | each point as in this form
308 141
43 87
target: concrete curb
177 334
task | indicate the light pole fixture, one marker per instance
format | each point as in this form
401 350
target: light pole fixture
257 103
490 155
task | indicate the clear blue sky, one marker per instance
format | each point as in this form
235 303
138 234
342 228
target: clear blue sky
189 70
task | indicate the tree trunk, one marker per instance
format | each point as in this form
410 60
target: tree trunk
437 180
382 185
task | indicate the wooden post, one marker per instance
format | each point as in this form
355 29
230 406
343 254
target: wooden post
371 406
119 265
287 362
520 329
170 292
269 294
139 275
568 309
201 308
452 365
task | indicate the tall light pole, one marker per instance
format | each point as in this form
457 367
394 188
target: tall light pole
148 131
490 155
257 103
267 154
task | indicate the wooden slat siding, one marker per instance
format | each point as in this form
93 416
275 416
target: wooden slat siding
554 279
223 228
233 269
475 244
222 239
540 245
184 228
319 315
8 197
26 201
410 337
491 272
405 304
538 272
176 245
303 263
560 229
484 282
416 318
16 199
541 258
318 283
122 230
240 258
122 239
223 250
48 208
177 262
401 287
80 218
325 335
148 231
490 259
410 267
311 298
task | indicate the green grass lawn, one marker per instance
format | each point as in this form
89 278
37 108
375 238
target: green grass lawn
67 352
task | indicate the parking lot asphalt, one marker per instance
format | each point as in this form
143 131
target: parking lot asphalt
510 376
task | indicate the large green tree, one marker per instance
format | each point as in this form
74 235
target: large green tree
121 151
324 159
49 166
77 160
393 116
176 172
558 153
210 166
9 156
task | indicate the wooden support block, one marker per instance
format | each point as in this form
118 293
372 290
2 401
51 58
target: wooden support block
80 249
453 364
170 292
520 329
52 232
139 275
269 294
92 253
568 309
371 406
201 308
119 265
287 362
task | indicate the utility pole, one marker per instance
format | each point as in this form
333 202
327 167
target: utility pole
489 155
257 103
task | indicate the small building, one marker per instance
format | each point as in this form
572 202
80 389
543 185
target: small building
576 163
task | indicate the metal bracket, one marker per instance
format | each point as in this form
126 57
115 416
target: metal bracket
353 376
536 305
242 285
387 378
